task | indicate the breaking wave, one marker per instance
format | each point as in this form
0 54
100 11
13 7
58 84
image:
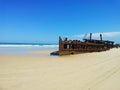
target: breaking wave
17 45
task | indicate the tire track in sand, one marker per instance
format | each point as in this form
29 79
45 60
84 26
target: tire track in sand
92 84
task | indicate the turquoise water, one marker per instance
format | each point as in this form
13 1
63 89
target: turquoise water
24 49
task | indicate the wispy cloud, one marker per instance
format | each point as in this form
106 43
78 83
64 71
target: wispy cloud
97 35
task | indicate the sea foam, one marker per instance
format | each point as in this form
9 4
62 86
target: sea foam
40 46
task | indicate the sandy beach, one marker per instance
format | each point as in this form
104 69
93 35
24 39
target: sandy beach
90 71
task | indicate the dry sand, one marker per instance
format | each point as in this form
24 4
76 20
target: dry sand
90 71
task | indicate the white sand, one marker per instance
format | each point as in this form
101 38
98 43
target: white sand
91 71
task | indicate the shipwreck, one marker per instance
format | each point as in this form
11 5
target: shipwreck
68 47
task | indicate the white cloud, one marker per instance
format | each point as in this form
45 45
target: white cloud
108 34
97 35
112 36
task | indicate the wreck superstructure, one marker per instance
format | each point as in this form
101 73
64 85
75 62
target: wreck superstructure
67 47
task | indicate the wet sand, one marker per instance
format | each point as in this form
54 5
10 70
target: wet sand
90 71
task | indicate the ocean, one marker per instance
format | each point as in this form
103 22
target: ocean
25 48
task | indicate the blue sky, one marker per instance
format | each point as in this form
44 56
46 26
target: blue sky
43 21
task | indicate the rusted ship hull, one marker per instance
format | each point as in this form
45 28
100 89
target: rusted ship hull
67 47
71 52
